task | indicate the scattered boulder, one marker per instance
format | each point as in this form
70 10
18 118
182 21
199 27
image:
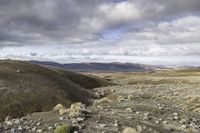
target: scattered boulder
183 121
39 131
50 128
175 114
157 122
165 122
102 125
175 118
19 71
138 113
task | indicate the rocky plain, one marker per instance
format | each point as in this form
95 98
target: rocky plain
166 101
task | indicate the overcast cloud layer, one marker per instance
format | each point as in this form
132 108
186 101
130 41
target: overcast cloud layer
140 31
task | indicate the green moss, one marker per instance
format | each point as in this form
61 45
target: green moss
66 128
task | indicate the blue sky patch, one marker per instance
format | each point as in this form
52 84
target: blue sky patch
117 1
113 34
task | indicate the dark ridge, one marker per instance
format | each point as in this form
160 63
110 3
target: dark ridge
101 67
27 88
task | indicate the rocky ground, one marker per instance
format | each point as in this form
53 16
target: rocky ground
147 108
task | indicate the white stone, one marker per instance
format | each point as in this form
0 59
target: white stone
175 114
50 128
175 118
61 118
39 130
165 122
102 125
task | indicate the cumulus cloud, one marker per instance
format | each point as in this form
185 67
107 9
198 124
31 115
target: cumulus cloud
100 30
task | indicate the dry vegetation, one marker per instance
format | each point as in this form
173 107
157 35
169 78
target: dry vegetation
150 99
143 102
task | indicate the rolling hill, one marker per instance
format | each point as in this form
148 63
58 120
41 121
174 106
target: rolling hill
27 88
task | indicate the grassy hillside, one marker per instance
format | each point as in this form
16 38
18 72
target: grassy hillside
27 88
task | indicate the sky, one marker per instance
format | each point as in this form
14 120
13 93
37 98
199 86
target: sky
158 32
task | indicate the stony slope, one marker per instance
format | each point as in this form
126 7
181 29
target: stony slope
26 88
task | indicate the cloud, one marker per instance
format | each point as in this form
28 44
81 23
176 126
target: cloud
99 30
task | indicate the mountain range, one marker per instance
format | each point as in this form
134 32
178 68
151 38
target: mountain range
101 67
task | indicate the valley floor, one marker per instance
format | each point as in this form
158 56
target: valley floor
151 102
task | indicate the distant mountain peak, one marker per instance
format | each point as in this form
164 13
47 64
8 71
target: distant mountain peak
102 67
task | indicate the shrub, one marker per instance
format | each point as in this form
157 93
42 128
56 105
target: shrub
103 100
66 128
60 108
120 98
130 97
129 130
129 110
76 110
